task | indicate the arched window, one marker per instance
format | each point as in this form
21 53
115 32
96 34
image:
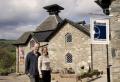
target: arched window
68 37
68 58
32 43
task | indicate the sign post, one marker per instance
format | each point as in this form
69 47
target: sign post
100 35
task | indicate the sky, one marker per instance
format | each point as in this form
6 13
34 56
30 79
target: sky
19 16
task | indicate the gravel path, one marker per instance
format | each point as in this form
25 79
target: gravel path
23 78
14 78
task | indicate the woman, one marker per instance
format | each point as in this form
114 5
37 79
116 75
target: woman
44 65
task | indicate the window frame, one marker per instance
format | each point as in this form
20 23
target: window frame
32 43
69 58
68 38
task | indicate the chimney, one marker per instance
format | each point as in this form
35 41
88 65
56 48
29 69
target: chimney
53 9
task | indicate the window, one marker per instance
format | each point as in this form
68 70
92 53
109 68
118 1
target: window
68 58
32 43
68 37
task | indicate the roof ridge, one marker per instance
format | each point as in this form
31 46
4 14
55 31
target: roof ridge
49 23
76 24
42 31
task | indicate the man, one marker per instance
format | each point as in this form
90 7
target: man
31 64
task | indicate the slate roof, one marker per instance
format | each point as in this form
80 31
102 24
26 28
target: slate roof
23 38
45 36
84 29
42 36
50 23
49 27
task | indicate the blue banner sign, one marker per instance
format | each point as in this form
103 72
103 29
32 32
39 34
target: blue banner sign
99 31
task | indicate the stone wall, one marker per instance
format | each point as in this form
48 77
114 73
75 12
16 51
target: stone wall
115 39
20 64
80 48
100 56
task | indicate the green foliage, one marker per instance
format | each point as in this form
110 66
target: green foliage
4 71
7 56
91 74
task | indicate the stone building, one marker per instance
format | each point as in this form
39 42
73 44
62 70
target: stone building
115 39
68 43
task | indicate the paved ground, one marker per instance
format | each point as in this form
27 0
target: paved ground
24 78
14 78
102 79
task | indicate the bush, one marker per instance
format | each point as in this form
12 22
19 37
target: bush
84 75
90 74
7 60
4 71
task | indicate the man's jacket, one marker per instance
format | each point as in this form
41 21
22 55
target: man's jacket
31 63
